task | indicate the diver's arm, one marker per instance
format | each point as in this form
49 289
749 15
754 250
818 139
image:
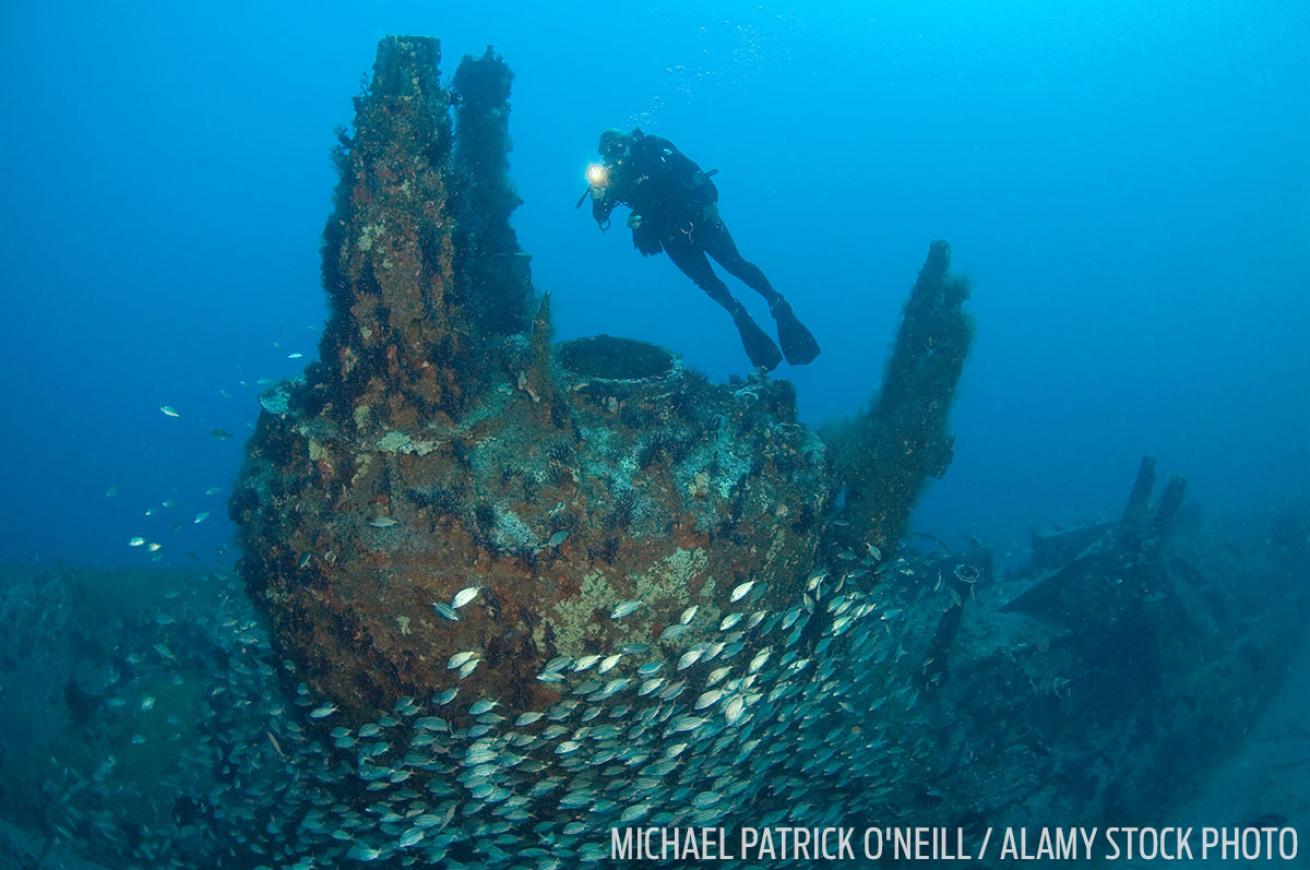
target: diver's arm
601 206
703 189
606 198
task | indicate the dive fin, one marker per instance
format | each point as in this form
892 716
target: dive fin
797 342
759 347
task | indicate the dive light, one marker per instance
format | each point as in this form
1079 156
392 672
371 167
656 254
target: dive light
598 175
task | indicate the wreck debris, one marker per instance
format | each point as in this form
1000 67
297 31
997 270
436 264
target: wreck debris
958 577
495 283
445 443
396 336
1115 667
1100 574
886 455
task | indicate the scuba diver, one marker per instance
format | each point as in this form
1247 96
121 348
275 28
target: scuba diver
674 209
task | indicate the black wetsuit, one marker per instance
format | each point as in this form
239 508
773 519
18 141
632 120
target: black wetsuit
676 203
674 210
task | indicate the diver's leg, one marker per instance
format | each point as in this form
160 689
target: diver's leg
694 264
714 238
797 342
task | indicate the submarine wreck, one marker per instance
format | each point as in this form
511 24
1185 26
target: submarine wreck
522 592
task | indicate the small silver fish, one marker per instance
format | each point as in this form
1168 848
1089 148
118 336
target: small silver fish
445 611
362 852
625 608
673 632
742 591
614 685
459 659
169 411
690 658
323 712
382 522
688 723
705 800
464 596
558 663
708 699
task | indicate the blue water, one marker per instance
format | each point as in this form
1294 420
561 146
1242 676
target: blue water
1127 187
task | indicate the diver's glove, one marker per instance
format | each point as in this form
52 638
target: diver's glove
645 239
600 212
